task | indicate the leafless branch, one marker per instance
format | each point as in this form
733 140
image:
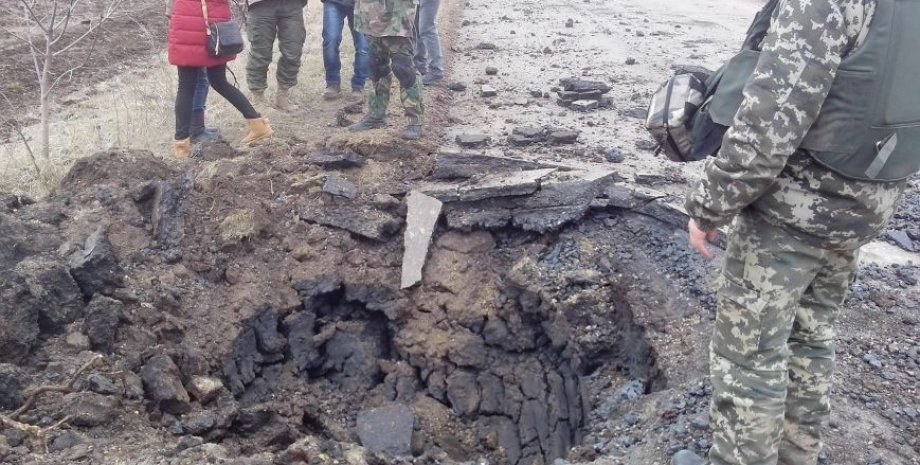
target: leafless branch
69 72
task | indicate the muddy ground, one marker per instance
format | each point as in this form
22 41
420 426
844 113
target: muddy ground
247 306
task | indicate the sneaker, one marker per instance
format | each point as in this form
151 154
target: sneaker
332 91
367 123
431 79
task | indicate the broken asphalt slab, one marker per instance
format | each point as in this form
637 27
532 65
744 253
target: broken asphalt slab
487 186
453 165
361 220
421 219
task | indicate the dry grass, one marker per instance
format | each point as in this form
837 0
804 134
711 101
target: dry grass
134 109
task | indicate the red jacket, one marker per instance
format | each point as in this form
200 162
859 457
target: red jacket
188 37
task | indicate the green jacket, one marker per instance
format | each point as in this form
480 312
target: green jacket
761 166
386 18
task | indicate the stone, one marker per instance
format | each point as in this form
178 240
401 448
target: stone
162 385
422 217
361 220
563 136
503 185
473 242
199 423
631 61
687 457
89 409
301 331
637 112
491 70
486 46
66 440
902 240
386 202
101 323
387 430
457 86
204 388
614 155
339 186
570 22
11 386
582 85
473 140
584 105
530 132
488 91
450 165
78 340
95 267
101 385
464 393
338 160
647 145
19 314
54 291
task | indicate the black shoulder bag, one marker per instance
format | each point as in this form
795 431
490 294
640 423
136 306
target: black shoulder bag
224 38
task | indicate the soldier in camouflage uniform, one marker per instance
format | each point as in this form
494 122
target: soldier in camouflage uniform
390 27
793 252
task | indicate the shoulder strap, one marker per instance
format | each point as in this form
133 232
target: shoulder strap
760 26
204 13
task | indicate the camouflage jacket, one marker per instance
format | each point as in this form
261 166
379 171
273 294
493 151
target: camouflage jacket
760 166
386 18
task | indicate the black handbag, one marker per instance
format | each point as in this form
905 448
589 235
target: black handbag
224 38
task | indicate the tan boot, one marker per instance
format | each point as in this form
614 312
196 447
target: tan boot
283 99
257 98
259 130
183 148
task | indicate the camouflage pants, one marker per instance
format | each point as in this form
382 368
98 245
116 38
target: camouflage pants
394 56
267 20
772 351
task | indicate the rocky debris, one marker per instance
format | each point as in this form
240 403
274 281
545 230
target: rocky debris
631 61
457 86
488 186
473 140
52 291
162 201
11 378
636 112
902 240
339 186
473 242
78 340
204 389
199 423
687 457
102 385
89 409
647 145
19 314
522 136
423 215
101 324
362 220
486 46
583 95
66 440
10 203
330 160
387 430
467 165
21 238
563 136
570 22
491 70
163 385
95 268
487 91
614 155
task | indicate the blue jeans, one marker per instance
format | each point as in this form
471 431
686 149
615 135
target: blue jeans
334 16
200 96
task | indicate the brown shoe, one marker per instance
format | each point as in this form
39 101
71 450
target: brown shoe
283 100
182 148
257 98
259 130
332 92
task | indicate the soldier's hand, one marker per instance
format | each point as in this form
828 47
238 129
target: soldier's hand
699 239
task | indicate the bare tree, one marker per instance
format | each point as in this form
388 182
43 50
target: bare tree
47 30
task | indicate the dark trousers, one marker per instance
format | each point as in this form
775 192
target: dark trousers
217 77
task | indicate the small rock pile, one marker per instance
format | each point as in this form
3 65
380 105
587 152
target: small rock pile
582 95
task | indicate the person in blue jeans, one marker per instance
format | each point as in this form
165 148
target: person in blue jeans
197 129
335 13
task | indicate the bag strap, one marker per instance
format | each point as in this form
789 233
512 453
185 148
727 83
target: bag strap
760 26
204 13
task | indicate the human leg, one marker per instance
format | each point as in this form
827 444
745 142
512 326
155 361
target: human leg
185 93
381 78
259 128
811 365
421 55
333 24
362 55
765 275
262 26
429 40
410 83
291 36
197 129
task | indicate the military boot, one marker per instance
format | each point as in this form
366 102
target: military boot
686 457
368 122
283 99
257 98
259 130
413 129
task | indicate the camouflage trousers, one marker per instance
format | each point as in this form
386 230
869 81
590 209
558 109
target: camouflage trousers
772 351
394 56
270 19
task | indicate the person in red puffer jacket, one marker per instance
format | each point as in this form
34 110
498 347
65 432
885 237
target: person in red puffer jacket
187 50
